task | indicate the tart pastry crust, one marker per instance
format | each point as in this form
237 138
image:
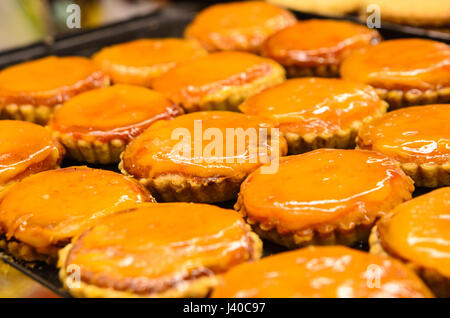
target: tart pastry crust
418 138
218 81
53 81
198 243
238 26
139 62
317 113
157 161
323 210
96 126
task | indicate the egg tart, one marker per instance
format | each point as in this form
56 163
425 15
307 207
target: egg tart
25 149
322 272
317 112
139 62
218 81
317 47
417 137
158 250
322 7
96 126
201 157
30 91
417 232
404 72
238 26
43 212
326 196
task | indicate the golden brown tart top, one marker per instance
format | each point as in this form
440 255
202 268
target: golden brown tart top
139 62
322 272
119 111
418 231
25 149
49 208
158 150
314 105
401 64
49 81
418 134
155 247
240 26
317 42
325 189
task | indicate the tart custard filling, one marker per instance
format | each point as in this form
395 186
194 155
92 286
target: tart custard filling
314 105
418 231
49 81
154 247
325 188
322 272
415 134
51 207
401 64
119 111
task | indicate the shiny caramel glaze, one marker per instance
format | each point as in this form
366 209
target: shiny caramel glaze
157 150
325 189
26 148
155 247
139 62
401 64
418 134
192 81
49 208
314 105
119 111
49 81
318 42
322 272
418 231
238 26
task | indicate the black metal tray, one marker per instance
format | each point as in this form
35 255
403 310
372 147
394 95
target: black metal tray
168 21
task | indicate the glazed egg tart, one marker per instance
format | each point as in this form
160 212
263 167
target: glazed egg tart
139 62
238 26
41 213
326 196
158 250
317 47
418 138
201 157
30 91
26 148
218 81
96 126
417 232
317 112
322 272
404 72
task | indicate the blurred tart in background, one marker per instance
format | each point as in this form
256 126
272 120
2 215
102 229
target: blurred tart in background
404 72
317 47
417 232
30 91
218 81
96 126
317 112
417 137
326 196
194 158
25 149
322 272
322 7
238 26
139 62
43 212
158 250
